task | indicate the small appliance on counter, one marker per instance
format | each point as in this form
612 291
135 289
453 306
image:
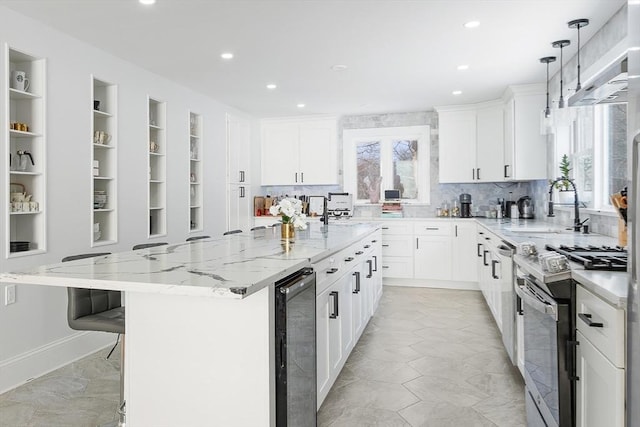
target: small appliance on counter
465 205
340 205
525 207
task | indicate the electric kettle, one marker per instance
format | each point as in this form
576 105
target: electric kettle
525 207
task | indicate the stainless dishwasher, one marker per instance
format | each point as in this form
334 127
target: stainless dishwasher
295 347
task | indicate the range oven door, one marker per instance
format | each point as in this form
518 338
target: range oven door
547 334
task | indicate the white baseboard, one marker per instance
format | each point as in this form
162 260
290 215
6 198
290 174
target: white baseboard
23 368
423 283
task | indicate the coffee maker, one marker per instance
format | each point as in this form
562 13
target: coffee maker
465 205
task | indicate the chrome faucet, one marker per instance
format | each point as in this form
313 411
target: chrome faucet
577 225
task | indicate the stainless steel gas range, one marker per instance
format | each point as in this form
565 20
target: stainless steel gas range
547 310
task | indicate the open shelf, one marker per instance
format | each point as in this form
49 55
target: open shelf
157 167
104 119
196 215
25 106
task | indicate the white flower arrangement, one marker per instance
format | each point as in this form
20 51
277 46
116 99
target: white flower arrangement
291 210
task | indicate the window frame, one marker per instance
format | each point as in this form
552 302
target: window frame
386 135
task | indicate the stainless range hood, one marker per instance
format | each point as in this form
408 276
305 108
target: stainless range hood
610 86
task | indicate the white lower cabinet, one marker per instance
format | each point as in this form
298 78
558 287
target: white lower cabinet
600 362
432 257
599 389
349 285
464 267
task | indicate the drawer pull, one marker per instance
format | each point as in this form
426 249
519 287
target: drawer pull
359 253
332 270
385 266
385 246
357 289
349 259
433 228
367 246
479 246
334 314
373 241
385 228
586 318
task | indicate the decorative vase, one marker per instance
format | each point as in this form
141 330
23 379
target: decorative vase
288 231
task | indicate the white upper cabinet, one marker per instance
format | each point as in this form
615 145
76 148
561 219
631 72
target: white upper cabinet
238 149
493 141
457 145
489 143
525 149
299 151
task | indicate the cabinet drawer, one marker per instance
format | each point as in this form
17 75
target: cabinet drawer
426 228
397 246
607 330
399 267
396 228
329 270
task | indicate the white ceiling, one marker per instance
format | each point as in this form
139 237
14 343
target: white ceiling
401 55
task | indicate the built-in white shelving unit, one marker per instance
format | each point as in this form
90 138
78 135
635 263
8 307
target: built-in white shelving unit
104 184
157 148
25 113
195 173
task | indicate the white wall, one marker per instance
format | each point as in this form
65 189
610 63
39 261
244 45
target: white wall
34 337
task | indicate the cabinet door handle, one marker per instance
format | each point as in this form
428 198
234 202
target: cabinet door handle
479 246
241 192
375 260
456 231
357 290
359 253
493 269
478 173
370 269
335 313
586 318
301 176
473 174
506 171
348 259
332 270
241 176
417 243
484 258
296 177
385 246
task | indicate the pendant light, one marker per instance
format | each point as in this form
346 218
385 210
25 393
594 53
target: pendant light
547 60
561 44
578 23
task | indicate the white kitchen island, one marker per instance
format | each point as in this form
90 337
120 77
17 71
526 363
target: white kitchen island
199 319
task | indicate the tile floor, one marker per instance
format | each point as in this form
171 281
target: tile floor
429 357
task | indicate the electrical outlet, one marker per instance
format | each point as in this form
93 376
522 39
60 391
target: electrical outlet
9 294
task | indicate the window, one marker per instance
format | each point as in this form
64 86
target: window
597 146
387 159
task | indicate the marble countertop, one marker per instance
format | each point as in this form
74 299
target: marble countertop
233 266
609 285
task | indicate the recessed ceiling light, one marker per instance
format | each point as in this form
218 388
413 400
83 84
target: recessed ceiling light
227 55
457 92
463 67
339 67
472 24
271 86
147 2
300 105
